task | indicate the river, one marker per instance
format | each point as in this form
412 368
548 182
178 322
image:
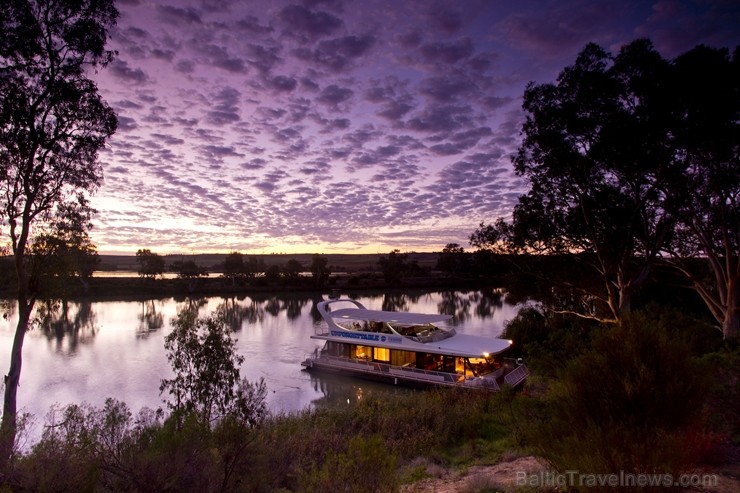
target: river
88 351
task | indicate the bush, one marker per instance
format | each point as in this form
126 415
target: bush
366 466
207 379
545 340
633 402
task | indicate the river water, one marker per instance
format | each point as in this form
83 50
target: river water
88 351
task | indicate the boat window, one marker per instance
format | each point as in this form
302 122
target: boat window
403 358
381 354
363 352
427 361
481 366
338 349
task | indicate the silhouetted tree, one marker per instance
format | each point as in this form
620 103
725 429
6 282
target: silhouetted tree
65 252
292 270
188 269
207 379
320 270
452 260
707 189
273 273
597 148
393 266
234 268
53 122
151 264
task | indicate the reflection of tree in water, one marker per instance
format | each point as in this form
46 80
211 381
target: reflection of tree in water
294 307
455 303
190 306
8 308
233 312
395 302
315 315
60 320
272 306
488 301
236 312
149 319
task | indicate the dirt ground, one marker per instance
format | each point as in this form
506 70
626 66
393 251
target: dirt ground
508 476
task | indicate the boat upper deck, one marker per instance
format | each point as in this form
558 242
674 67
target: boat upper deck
407 331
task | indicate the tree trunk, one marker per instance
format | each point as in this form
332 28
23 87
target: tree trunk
12 380
731 321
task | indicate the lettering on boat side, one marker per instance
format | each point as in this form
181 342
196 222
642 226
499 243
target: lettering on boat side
366 337
352 335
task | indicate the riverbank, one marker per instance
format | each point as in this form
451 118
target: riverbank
117 277
348 263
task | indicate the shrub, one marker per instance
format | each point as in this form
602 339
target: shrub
633 402
366 466
206 366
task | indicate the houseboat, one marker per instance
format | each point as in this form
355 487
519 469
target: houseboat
411 349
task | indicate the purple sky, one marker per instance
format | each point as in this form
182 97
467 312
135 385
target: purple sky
329 126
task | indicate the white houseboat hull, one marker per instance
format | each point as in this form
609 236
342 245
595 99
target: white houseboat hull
407 349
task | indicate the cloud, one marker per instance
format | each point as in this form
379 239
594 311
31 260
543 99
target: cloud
121 70
447 53
299 20
332 95
298 122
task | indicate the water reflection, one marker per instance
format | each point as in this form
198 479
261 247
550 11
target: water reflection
116 348
396 302
488 301
150 319
66 324
337 390
455 303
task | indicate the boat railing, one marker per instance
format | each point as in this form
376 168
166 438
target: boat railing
401 371
517 375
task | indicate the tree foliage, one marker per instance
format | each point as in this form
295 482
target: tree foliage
188 269
320 270
64 250
292 270
53 123
206 379
151 264
393 266
234 266
708 153
625 154
453 260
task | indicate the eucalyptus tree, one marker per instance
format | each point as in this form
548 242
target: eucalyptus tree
53 123
707 94
320 270
151 264
596 147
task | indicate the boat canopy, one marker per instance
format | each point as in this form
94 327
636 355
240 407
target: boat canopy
470 346
390 317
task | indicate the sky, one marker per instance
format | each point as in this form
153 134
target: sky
332 126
